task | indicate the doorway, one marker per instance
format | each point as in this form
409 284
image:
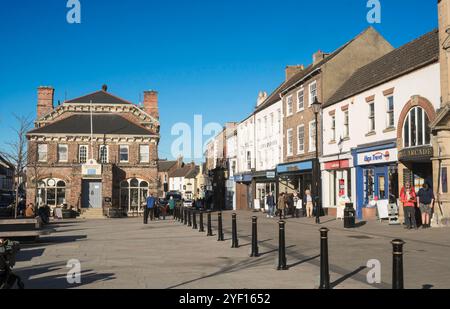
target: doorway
91 195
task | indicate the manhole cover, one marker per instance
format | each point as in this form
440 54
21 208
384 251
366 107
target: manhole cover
360 237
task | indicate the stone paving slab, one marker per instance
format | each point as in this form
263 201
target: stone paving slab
124 253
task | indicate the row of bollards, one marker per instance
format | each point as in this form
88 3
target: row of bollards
189 217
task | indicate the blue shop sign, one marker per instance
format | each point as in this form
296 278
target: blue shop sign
243 178
295 167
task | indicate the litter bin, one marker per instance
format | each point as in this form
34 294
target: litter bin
349 216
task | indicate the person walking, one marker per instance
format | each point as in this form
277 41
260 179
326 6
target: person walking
149 210
408 198
270 201
308 202
297 204
171 205
282 206
425 200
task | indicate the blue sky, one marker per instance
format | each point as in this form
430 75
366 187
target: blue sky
208 57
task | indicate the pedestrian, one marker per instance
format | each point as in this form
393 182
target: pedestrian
308 202
29 213
282 206
425 199
149 209
270 201
171 205
408 198
298 204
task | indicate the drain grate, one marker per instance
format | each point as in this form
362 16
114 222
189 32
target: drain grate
360 237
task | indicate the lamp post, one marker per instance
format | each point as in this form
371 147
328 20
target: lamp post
317 106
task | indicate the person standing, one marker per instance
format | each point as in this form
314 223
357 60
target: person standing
29 213
150 208
282 206
425 199
270 201
308 201
171 205
408 198
297 204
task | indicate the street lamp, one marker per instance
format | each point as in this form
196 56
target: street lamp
317 106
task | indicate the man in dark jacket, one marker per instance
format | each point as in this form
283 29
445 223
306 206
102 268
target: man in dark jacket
270 201
425 200
151 202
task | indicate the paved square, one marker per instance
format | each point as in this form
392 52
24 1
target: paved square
124 253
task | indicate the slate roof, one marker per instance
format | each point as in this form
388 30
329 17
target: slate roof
193 172
102 124
181 172
164 166
403 60
99 97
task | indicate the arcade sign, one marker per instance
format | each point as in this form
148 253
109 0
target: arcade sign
378 157
416 154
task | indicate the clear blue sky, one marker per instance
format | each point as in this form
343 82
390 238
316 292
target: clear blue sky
208 57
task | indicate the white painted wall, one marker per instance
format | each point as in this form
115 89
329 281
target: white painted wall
424 82
269 137
246 143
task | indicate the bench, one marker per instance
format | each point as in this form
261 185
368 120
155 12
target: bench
22 228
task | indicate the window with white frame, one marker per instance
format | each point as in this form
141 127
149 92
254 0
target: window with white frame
123 153
301 100
258 128
289 142
390 112
346 125
371 116
82 153
301 139
312 136
42 152
249 160
312 92
416 129
333 127
103 154
144 153
63 155
289 106
271 124
266 131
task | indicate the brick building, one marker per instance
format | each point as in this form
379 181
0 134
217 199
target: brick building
96 152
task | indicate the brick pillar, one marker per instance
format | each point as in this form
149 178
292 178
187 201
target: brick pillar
45 101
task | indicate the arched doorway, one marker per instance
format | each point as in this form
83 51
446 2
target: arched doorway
133 194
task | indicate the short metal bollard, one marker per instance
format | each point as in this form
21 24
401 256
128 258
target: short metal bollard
194 220
220 236
324 266
234 237
209 233
255 250
185 216
202 228
397 270
282 264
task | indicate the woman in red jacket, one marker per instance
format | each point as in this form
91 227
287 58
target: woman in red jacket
408 198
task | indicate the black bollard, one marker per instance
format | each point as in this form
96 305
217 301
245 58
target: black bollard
234 238
324 266
255 250
397 270
282 264
210 233
185 216
194 220
202 228
220 236
175 214
189 217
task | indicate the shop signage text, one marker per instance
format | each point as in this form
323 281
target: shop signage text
336 165
91 168
416 153
378 157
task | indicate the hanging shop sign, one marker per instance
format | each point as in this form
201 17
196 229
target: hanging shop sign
270 175
378 157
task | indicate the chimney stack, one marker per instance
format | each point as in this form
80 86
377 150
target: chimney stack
319 56
45 101
151 103
291 70
262 96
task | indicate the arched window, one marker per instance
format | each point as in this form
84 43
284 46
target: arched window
133 194
416 129
51 192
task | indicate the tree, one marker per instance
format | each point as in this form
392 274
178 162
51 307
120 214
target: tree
16 152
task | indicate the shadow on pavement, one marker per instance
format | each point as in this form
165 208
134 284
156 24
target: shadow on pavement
347 276
303 261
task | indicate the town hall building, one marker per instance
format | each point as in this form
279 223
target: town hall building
95 153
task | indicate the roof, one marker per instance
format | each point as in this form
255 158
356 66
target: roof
193 172
99 97
403 60
5 163
164 166
109 124
181 172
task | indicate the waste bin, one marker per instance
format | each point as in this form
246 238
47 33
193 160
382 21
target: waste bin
349 216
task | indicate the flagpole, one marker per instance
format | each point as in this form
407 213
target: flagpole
92 133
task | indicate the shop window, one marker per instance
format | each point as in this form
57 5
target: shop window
393 184
51 192
381 188
369 185
133 195
416 129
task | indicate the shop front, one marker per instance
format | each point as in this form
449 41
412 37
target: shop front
336 183
243 191
376 178
296 177
265 182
